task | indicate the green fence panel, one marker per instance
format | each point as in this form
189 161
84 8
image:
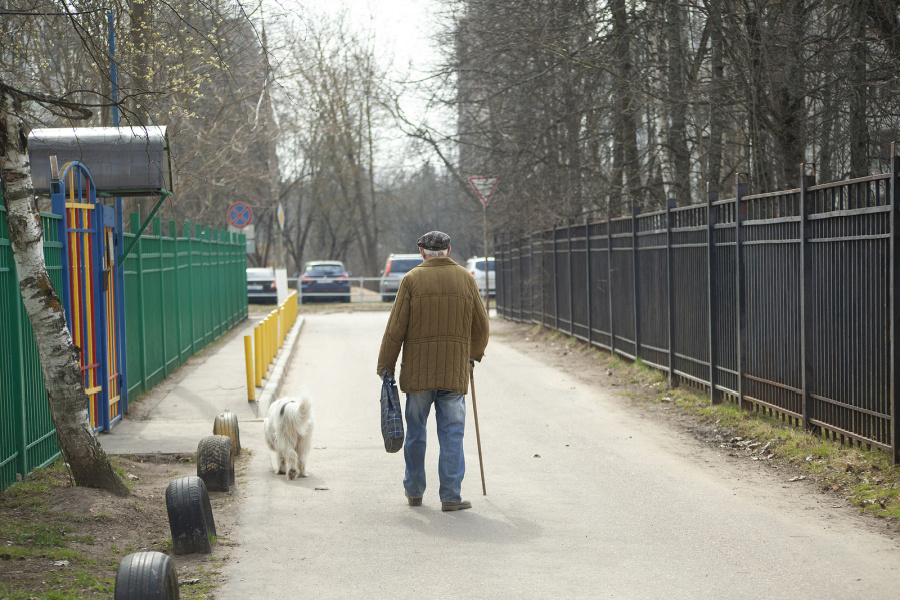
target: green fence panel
170 301
177 289
181 293
27 433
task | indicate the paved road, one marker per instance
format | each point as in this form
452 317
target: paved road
586 499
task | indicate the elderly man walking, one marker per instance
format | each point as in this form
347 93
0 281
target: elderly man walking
439 320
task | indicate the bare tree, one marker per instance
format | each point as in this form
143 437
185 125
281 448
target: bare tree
29 94
337 92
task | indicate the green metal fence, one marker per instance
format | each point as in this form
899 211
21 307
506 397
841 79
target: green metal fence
181 293
27 434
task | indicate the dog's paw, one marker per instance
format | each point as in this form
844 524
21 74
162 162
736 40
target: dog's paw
292 474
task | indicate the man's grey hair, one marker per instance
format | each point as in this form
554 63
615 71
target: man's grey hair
436 253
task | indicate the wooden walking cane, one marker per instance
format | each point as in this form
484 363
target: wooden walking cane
477 434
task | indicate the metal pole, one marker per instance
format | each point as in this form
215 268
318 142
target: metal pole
807 335
670 293
743 189
487 279
477 433
635 211
113 71
894 300
712 289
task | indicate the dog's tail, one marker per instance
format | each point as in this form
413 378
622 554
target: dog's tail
298 414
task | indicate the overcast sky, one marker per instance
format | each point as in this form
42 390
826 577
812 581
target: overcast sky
403 30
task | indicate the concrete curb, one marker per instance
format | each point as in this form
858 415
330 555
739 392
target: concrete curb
275 381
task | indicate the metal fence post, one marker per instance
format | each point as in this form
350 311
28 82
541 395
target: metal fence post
521 281
16 383
119 270
712 195
173 233
635 211
531 277
571 283
163 321
541 282
609 282
670 296
555 284
739 211
806 297
587 279
139 277
894 308
189 293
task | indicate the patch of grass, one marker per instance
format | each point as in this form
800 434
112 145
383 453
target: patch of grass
65 584
34 534
203 588
865 477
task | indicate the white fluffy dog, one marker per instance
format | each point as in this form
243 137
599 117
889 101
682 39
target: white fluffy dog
289 428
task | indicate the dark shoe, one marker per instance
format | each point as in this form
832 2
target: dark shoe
413 501
461 505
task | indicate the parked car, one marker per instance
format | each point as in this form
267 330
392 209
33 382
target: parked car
261 285
395 268
325 279
475 266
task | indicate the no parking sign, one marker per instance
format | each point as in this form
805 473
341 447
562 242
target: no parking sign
239 215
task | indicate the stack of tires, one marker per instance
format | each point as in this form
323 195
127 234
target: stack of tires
152 575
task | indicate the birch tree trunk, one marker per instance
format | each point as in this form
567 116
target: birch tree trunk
88 462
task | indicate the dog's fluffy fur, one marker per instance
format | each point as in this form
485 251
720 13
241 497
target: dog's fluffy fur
289 426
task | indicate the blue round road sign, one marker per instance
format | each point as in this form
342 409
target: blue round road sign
239 215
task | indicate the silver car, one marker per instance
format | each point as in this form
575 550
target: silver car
395 268
475 266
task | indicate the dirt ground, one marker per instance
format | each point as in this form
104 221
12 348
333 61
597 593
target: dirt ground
62 542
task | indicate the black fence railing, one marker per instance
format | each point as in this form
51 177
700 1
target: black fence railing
786 302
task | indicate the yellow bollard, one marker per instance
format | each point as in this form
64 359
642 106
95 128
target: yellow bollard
248 359
273 338
264 333
257 338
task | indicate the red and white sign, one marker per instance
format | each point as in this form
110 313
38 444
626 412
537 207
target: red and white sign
484 187
239 215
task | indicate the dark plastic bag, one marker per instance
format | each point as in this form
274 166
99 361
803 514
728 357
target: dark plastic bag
391 418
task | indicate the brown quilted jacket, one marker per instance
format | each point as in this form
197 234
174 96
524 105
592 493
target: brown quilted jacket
439 320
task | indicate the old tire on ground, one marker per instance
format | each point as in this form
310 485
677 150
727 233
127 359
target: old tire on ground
146 576
215 462
190 516
227 424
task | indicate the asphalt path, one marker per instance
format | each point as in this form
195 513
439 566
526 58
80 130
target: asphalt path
585 499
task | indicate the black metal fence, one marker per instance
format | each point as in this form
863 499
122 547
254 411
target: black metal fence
786 301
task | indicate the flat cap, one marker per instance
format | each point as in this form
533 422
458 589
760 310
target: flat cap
434 240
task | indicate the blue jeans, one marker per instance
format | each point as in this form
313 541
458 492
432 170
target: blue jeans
450 411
